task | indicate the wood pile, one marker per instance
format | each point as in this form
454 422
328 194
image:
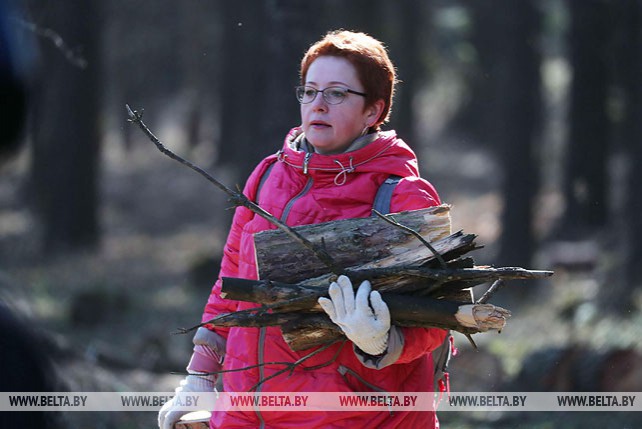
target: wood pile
411 258
421 269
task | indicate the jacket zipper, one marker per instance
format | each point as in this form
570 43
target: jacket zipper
262 332
306 161
288 206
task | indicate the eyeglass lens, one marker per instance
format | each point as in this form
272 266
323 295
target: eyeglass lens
332 95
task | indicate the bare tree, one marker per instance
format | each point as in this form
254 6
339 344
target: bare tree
407 50
634 207
518 119
65 128
588 141
262 46
626 65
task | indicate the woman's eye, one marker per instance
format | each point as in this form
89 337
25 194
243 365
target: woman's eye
310 92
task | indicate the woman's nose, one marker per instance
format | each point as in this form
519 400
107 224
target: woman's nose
319 104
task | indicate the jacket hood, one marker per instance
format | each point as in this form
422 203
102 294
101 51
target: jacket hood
386 154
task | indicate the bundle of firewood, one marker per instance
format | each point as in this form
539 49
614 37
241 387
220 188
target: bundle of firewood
411 258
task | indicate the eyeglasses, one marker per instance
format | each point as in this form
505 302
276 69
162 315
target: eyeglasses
331 95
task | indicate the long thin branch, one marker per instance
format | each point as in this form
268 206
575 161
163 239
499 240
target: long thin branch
497 284
70 54
293 365
237 198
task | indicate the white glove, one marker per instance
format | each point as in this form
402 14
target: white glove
168 416
366 325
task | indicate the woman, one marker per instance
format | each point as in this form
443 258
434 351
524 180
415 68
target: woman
330 168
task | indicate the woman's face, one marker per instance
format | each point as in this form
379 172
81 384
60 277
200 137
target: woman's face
330 128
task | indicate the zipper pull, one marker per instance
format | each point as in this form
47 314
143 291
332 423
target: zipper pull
306 160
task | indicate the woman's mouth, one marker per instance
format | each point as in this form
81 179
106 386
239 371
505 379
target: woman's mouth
319 124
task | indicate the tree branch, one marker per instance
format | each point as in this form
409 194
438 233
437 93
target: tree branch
236 198
497 284
70 54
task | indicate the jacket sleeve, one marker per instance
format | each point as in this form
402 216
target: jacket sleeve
230 262
414 193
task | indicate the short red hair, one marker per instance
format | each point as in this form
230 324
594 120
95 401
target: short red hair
370 58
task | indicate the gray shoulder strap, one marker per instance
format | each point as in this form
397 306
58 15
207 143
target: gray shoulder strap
384 194
443 353
264 177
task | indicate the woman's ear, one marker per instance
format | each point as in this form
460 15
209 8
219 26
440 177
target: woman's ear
374 112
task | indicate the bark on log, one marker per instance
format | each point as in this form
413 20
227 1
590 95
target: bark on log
303 296
405 310
351 242
409 274
267 292
310 330
303 330
410 256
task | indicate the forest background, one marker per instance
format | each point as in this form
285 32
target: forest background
525 115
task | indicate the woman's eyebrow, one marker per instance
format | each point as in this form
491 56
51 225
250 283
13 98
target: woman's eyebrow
333 83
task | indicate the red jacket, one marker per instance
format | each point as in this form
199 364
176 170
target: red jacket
306 189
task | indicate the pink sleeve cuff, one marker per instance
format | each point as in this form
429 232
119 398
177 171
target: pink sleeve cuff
203 360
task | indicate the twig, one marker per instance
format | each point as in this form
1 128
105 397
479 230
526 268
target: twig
289 366
220 319
471 341
237 198
57 41
392 221
497 284
300 361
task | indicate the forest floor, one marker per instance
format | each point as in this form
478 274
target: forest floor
110 312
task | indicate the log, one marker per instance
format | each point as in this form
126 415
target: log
268 292
409 273
350 242
253 318
408 256
303 330
405 310
310 330
303 296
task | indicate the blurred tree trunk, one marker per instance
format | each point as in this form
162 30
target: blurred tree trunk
477 116
587 153
65 128
627 67
263 43
289 29
406 52
519 110
241 85
198 42
634 140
